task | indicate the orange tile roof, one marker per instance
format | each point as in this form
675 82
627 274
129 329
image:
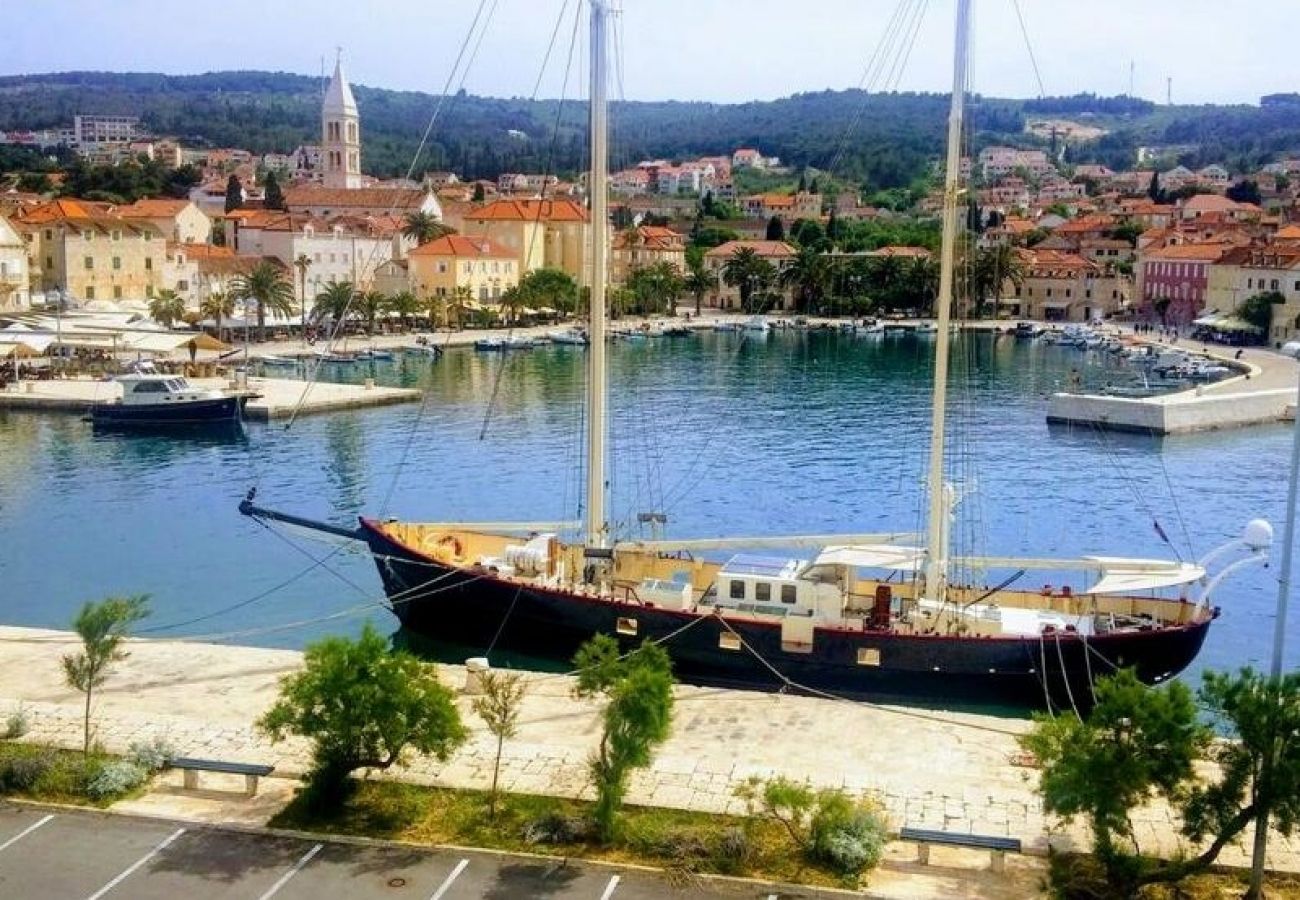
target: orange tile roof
899 252
1206 252
399 199
529 211
1288 233
152 208
474 245
762 248
201 251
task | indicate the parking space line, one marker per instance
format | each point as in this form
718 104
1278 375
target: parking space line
455 873
137 864
297 867
26 831
609 888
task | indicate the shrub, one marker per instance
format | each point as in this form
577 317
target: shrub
152 756
850 837
733 851
17 724
114 779
557 828
20 773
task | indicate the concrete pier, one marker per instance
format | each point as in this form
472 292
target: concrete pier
278 397
1262 394
930 768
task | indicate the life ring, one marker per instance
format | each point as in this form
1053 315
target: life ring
457 548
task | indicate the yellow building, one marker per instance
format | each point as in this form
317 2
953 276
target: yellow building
79 247
646 245
551 234
440 267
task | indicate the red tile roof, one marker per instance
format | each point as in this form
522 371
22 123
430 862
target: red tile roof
529 211
152 208
398 199
776 249
465 245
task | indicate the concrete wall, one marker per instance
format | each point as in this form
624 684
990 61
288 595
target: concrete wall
1181 414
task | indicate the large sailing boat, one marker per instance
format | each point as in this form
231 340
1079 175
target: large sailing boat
862 615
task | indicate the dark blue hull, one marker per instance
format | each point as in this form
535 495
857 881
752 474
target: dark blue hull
185 413
478 611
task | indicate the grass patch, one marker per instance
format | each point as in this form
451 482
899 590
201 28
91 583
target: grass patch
677 840
55 776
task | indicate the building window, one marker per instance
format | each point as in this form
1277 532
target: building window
737 590
787 593
89 262
117 235
148 263
90 292
763 592
117 292
88 235
442 268
49 234
49 264
148 290
117 263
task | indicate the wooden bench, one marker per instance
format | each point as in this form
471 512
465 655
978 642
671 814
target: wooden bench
192 768
925 837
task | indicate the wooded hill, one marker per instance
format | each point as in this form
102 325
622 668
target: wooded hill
884 141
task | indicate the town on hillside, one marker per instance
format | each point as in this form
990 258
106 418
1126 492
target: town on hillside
736 231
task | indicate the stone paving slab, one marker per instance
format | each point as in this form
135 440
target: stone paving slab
929 769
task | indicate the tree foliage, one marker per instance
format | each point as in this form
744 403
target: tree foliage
269 287
234 193
655 288
551 288
1258 310
102 627
363 706
638 693
750 274
167 307
272 195
499 706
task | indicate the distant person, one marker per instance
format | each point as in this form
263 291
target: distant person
1075 380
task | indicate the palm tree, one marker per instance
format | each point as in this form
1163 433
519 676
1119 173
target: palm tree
885 278
269 288
459 304
749 273
920 281
334 302
423 227
435 307
166 308
993 268
369 305
512 300
217 306
405 304
810 275
698 282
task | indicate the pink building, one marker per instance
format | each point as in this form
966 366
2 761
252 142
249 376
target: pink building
1180 275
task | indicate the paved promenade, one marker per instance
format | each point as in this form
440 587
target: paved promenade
930 769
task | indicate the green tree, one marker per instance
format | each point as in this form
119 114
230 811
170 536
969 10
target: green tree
553 288
273 196
638 693
334 302
479 194
993 269
362 706
710 236
217 306
512 302
1258 310
1154 191
269 287
656 287
750 274
775 229
1136 743
234 194
423 227
810 276
166 308
405 304
499 706
698 282
102 627
458 304
370 306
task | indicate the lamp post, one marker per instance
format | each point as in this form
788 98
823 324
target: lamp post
1292 350
303 263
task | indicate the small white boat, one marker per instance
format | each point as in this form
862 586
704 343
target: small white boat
757 323
726 326
372 353
574 337
327 356
280 361
430 350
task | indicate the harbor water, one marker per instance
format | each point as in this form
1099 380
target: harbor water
726 434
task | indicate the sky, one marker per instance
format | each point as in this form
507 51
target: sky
1215 51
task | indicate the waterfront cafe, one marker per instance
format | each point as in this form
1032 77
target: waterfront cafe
102 338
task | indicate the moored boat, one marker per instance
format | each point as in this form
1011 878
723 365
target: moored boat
161 401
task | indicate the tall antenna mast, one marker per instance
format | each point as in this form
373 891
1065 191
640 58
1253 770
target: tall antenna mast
1169 91
597 530
936 569
1132 66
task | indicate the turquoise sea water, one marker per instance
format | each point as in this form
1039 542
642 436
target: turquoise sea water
729 434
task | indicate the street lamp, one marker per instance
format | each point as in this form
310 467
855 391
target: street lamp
1291 349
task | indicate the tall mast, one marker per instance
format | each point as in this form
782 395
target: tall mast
597 534
940 507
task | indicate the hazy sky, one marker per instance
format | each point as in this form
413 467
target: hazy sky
1215 50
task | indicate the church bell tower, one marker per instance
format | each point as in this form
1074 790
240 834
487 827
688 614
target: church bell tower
340 133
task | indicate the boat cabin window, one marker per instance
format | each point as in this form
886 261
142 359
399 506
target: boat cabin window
787 593
762 592
737 590
177 384
149 387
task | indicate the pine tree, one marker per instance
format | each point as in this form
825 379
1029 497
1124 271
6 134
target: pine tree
775 229
479 194
803 184
1154 190
812 188
274 197
234 194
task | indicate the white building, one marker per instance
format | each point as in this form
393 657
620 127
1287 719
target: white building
15 282
340 134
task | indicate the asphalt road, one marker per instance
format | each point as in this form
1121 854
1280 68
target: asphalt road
48 854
